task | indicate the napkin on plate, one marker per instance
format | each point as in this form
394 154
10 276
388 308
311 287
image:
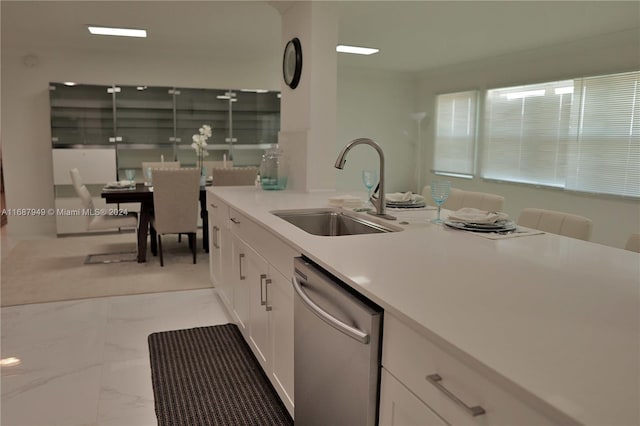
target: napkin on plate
404 197
473 215
120 184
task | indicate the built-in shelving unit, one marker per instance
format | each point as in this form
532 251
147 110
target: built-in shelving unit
132 124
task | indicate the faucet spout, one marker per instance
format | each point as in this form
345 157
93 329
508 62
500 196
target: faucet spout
380 203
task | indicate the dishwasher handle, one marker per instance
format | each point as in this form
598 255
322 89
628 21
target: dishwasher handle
334 322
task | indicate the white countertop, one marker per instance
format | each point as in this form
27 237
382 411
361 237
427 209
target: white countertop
555 319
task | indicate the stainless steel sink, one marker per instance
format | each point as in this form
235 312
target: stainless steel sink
332 222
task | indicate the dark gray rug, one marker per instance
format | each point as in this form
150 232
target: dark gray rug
209 376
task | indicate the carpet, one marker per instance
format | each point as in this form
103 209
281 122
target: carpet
208 376
48 270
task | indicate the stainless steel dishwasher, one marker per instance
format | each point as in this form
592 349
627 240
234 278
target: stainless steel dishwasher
337 351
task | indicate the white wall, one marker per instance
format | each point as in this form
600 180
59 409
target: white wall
614 218
377 105
25 131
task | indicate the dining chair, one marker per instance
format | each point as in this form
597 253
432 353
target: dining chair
97 220
175 201
209 165
160 165
633 243
459 198
567 224
235 176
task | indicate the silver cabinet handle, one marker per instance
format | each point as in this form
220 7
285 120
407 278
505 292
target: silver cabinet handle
435 380
334 322
234 220
240 262
214 206
266 294
263 300
216 230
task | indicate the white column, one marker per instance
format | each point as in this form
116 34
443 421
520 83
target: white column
308 112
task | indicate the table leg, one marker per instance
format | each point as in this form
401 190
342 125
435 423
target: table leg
143 229
205 221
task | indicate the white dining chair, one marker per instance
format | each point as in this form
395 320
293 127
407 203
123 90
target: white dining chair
235 176
210 165
160 165
459 198
567 224
101 221
633 243
175 205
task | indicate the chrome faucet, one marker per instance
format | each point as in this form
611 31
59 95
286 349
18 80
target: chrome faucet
380 203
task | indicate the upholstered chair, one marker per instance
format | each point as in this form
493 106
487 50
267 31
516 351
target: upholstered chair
459 198
97 220
209 165
175 205
633 243
235 176
567 224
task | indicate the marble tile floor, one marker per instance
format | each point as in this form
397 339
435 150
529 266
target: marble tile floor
86 362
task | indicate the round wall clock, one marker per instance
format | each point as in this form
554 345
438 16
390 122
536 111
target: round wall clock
292 63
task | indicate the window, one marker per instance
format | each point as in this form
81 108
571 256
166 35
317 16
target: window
604 156
581 134
455 133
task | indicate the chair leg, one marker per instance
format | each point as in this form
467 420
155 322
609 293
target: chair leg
179 238
192 244
152 237
160 250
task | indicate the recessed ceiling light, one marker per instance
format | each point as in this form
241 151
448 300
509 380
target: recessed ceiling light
69 83
342 48
123 32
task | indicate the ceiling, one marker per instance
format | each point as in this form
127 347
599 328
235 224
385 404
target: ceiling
411 35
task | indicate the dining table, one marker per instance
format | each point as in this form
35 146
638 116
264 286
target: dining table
144 195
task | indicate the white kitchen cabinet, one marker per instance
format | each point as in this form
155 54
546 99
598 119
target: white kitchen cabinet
450 386
240 283
263 299
220 248
257 272
399 407
279 297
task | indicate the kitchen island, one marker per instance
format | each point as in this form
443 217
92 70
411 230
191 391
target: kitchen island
551 321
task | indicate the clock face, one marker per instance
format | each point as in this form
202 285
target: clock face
292 63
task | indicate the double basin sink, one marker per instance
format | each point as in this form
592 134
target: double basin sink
332 222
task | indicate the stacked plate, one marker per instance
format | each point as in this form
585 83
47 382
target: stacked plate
120 184
405 200
406 204
499 226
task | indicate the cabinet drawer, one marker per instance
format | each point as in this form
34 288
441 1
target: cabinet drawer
272 248
218 210
411 358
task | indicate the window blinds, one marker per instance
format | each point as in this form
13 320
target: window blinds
455 133
581 134
526 133
604 157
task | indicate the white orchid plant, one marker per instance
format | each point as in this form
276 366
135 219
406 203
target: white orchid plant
200 143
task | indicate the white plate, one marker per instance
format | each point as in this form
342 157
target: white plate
484 227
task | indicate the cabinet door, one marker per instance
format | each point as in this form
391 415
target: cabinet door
240 283
258 279
399 407
144 126
81 115
279 296
195 107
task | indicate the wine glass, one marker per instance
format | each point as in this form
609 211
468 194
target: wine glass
130 174
440 192
369 178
